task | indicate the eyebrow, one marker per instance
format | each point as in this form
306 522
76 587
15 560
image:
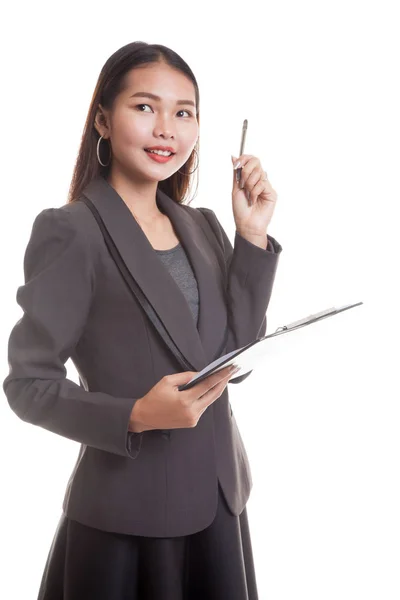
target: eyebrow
154 97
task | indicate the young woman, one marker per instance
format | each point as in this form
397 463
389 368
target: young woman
155 508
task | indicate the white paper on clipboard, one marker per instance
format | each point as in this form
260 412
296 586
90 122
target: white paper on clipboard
250 356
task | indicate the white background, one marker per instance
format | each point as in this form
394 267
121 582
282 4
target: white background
318 83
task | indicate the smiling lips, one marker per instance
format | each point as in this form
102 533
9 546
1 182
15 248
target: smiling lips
162 148
159 157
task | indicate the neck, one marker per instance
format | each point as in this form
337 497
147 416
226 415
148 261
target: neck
139 196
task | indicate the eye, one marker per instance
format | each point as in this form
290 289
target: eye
179 111
137 105
189 113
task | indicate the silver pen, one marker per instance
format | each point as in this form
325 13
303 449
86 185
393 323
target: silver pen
244 131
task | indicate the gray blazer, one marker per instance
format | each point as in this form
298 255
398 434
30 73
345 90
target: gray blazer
76 304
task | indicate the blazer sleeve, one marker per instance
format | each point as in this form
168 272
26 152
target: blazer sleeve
59 273
251 273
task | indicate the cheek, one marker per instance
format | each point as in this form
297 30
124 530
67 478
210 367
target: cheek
187 138
130 131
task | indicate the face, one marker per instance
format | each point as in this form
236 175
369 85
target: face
137 121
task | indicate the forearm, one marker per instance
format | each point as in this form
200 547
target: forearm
61 406
251 276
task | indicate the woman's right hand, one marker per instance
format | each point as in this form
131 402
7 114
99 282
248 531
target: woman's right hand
165 407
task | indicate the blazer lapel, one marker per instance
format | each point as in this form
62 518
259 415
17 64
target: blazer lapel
161 290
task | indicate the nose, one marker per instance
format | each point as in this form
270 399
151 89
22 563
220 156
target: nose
164 127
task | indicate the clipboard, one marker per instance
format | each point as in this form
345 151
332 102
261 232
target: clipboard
249 356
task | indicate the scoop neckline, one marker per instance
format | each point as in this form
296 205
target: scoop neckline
168 250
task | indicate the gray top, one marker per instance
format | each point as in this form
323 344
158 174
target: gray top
178 265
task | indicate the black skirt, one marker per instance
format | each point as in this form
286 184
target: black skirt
213 564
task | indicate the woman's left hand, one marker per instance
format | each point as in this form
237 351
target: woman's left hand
252 215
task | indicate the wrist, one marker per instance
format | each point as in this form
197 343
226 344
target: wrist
259 239
135 421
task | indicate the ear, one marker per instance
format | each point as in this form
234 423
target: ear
101 122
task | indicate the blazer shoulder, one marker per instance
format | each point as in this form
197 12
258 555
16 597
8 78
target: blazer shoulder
71 221
56 227
208 213
81 219
196 209
56 233
66 219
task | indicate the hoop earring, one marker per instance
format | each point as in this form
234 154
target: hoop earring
196 167
98 153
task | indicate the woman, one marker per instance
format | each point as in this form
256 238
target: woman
155 506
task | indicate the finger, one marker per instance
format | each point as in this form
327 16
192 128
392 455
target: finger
221 375
238 164
252 164
213 380
263 187
243 159
258 189
254 177
211 395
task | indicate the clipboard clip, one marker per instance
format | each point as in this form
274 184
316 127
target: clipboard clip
308 319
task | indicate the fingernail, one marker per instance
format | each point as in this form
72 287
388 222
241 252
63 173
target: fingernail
237 164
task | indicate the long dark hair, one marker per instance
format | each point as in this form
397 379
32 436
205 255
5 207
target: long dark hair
109 84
